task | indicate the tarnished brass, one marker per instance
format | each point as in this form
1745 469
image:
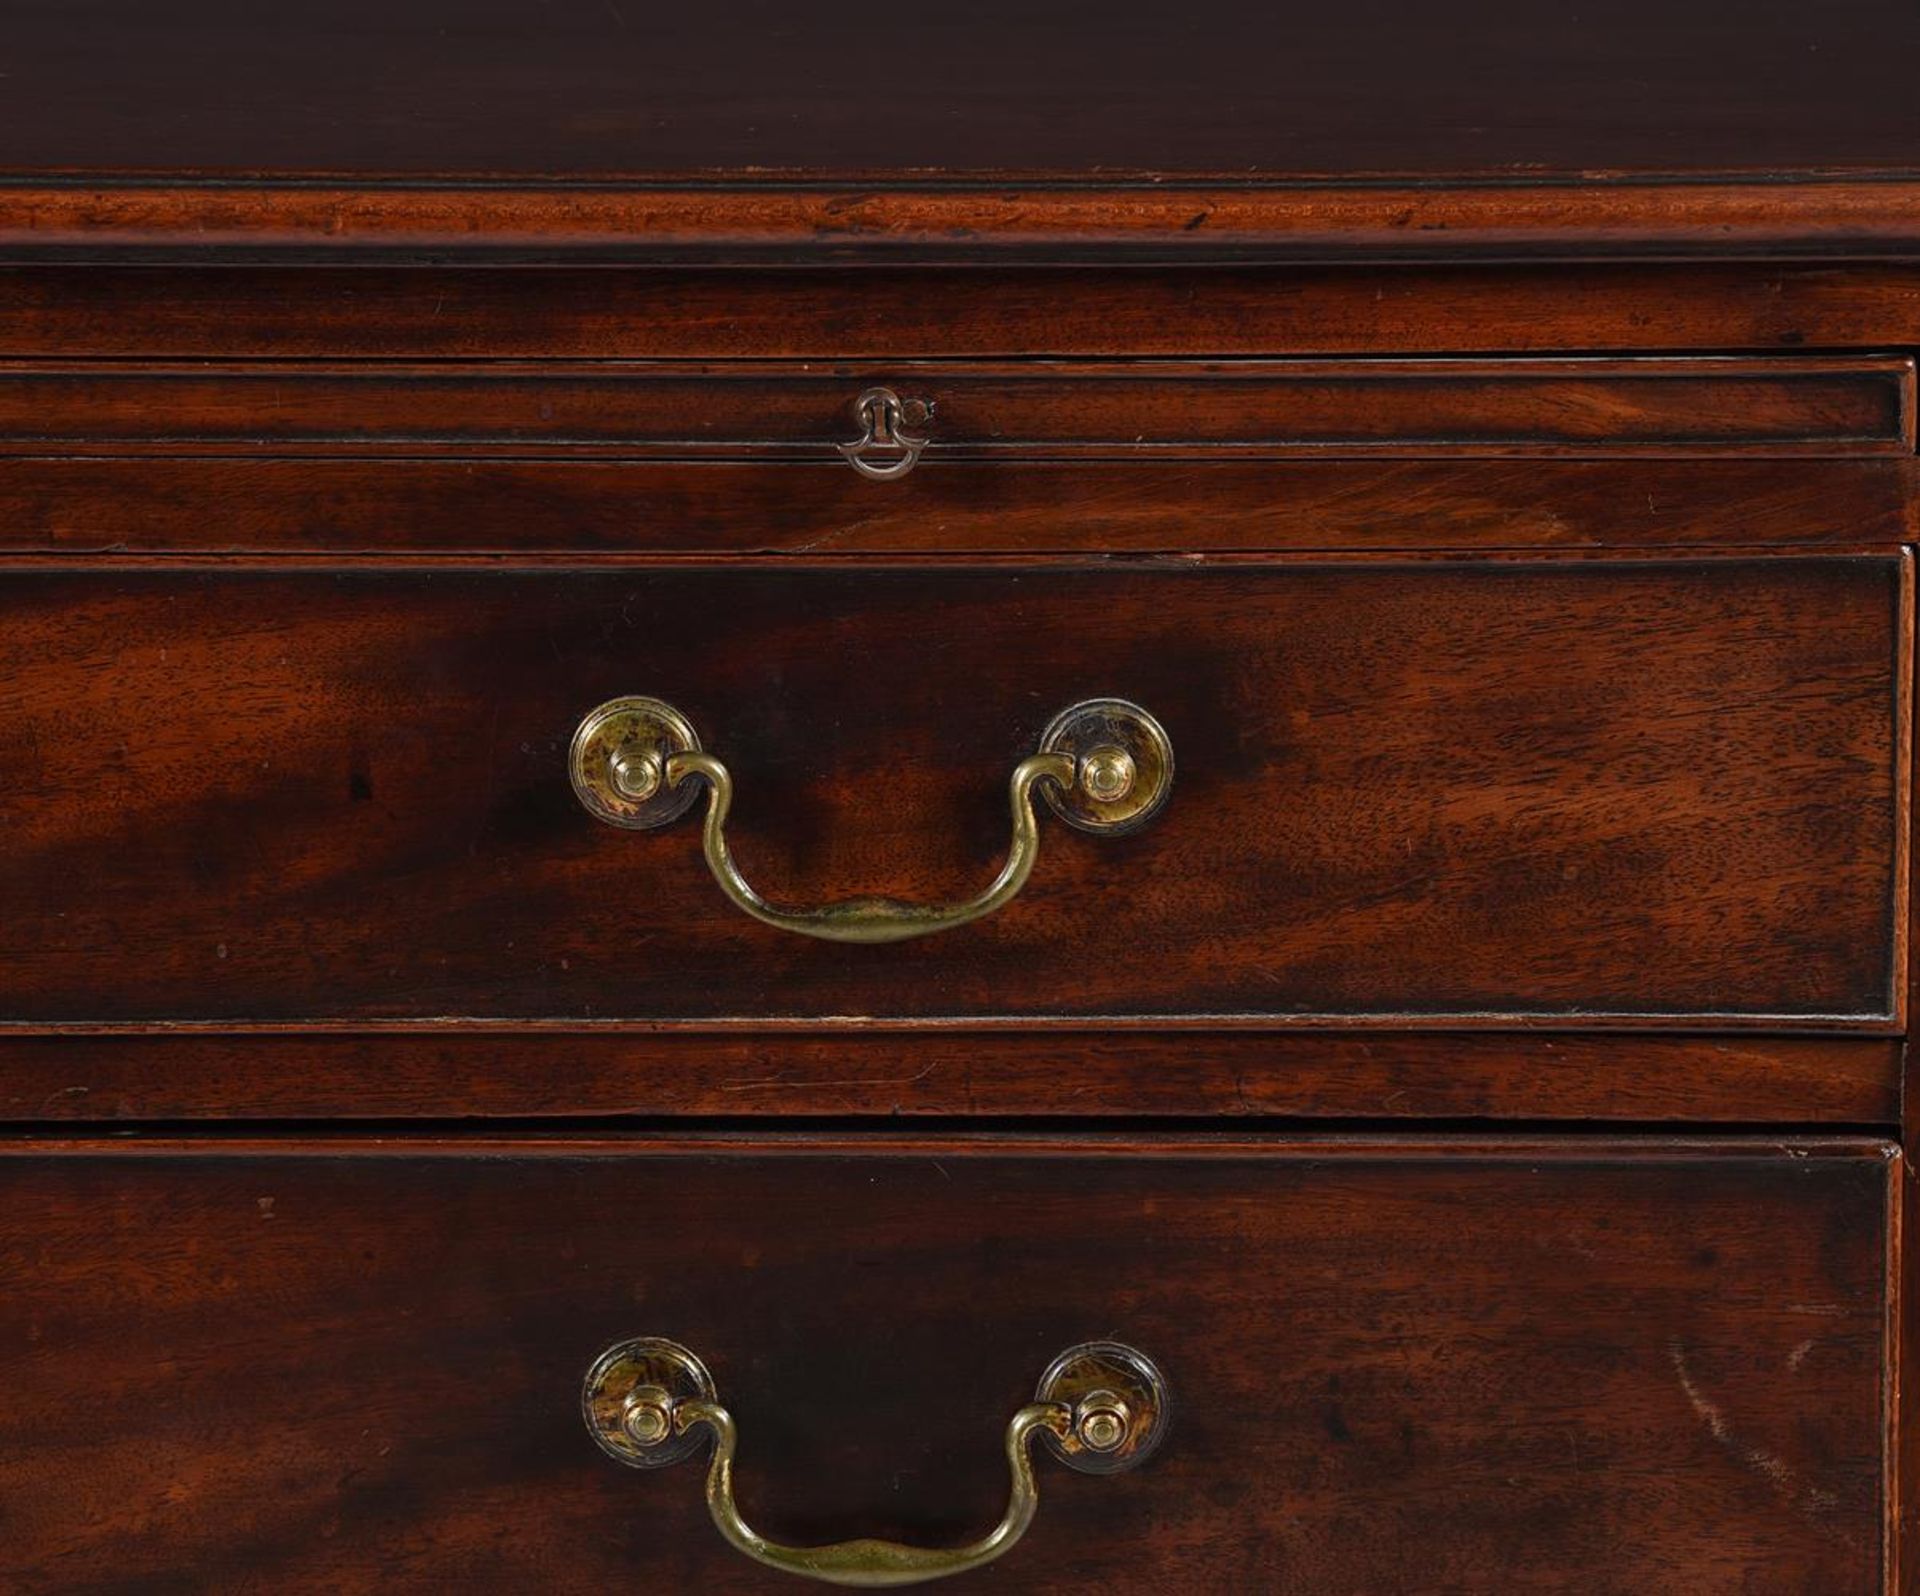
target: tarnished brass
1102 1408
1118 1399
1123 763
629 1399
883 451
1108 774
1105 766
1100 1421
618 762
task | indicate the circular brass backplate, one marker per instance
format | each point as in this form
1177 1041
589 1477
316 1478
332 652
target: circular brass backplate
1100 1370
1090 732
632 731
644 1362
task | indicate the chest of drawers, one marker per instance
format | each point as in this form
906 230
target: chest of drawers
1027 796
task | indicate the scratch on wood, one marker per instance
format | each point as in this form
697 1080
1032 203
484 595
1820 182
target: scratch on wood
777 1083
1811 1500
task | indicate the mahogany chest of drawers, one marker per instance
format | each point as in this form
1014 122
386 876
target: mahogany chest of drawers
1093 800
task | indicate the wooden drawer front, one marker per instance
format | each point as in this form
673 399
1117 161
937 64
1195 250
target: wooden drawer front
1031 409
1615 1367
1596 792
465 455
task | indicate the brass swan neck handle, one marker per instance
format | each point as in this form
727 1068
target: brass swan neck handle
872 1564
1104 766
872 919
1101 1407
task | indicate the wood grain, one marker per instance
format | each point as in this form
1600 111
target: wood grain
336 507
1812 216
1134 410
1596 1366
1595 792
1382 128
196 308
321 301
995 1075
1903 1384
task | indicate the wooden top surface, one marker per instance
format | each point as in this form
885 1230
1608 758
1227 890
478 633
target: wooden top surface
1504 123
1063 88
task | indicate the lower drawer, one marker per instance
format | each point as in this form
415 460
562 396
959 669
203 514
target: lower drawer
1428 1365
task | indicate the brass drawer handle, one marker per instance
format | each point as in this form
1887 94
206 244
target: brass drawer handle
882 451
1101 1408
1103 766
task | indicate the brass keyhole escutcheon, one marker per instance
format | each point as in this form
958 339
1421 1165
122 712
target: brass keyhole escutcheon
885 450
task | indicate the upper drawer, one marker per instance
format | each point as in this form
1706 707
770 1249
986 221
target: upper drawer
1576 790
1156 455
1033 409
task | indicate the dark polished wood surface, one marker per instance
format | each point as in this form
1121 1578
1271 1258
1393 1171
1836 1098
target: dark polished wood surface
347 456
383 386
1140 410
1587 790
1561 1076
197 309
580 90
1655 218
331 506
1508 127
1594 1367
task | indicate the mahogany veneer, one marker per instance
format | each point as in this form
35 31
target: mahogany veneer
1591 791
359 1362
1484 436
